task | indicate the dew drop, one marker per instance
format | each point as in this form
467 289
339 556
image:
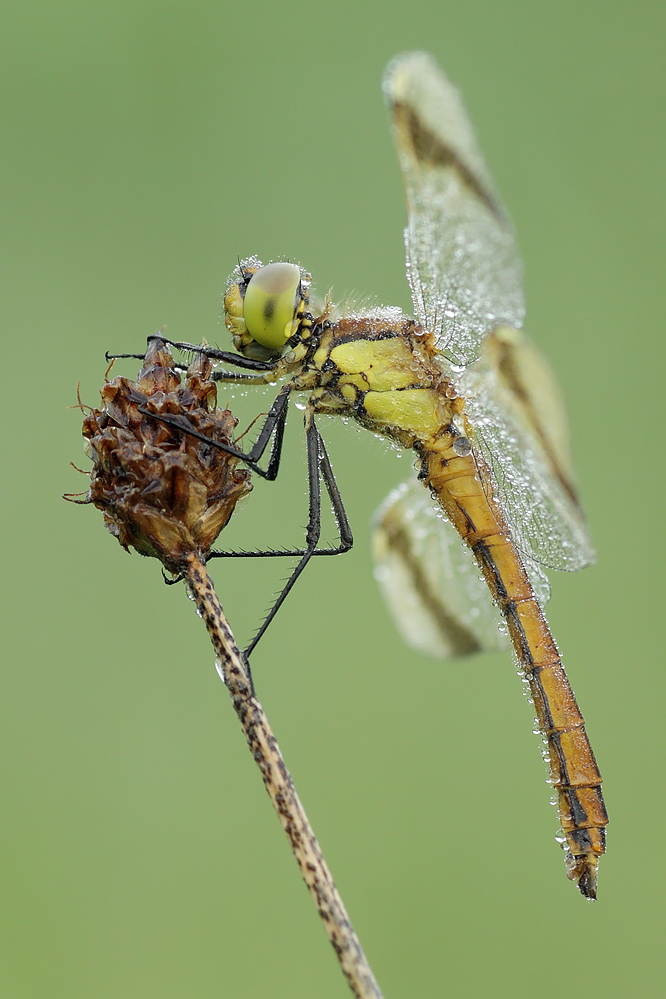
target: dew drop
462 446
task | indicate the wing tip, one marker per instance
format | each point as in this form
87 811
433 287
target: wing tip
402 70
409 76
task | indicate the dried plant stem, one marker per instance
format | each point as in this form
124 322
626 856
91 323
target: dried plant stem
266 752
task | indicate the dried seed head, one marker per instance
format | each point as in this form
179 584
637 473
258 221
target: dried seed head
161 490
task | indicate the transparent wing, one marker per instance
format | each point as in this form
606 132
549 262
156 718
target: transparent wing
463 264
430 580
516 420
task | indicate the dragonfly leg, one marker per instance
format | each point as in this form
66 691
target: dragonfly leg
319 467
227 356
273 427
345 536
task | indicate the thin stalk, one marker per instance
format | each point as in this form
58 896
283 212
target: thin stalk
276 777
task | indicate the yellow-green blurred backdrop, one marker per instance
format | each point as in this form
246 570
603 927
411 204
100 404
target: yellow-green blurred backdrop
144 147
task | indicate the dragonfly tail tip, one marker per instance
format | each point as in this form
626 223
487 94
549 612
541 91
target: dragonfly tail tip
586 878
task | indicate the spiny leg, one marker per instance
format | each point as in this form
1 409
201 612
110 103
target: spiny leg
345 537
274 424
319 467
226 356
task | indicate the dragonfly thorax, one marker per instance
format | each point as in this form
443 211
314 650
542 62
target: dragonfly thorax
380 370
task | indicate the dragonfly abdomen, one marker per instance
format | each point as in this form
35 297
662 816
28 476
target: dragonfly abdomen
462 487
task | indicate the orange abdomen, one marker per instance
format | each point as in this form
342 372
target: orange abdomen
462 487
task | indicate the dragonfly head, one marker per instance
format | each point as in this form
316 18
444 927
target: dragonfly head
265 307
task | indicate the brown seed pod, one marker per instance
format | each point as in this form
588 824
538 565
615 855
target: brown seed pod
163 491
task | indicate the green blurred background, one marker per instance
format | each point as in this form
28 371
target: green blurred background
145 146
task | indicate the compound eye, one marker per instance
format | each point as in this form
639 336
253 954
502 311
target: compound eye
272 299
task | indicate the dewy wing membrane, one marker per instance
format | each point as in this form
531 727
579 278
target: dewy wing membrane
463 263
430 580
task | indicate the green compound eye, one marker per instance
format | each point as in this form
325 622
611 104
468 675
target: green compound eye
272 299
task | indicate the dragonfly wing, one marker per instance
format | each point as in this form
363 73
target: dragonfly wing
430 580
516 419
462 260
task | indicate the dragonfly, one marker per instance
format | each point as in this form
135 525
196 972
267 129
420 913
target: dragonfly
462 547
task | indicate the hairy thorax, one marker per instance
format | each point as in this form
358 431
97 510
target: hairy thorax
384 375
